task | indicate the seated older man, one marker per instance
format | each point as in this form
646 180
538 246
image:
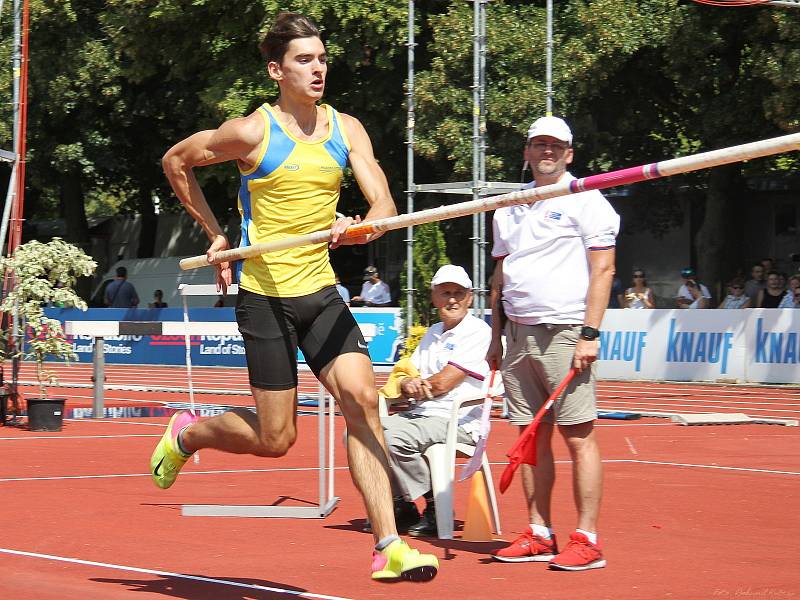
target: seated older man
450 360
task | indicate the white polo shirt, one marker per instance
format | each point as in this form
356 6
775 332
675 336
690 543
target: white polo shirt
377 293
464 346
544 244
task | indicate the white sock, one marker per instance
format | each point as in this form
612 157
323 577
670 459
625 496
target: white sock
541 531
592 535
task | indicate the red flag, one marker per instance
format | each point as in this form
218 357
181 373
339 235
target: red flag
524 449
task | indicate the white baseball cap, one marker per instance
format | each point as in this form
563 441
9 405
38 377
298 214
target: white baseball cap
551 126
451 274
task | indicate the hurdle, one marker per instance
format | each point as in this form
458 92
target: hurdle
325 413
99 330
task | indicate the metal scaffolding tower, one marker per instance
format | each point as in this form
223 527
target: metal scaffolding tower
477 186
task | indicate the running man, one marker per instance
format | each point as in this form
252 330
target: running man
291 156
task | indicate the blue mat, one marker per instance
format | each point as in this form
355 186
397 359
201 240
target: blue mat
620 416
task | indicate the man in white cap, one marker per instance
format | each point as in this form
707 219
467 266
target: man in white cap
555 265
451 361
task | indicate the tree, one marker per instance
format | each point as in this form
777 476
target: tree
641 80
430 253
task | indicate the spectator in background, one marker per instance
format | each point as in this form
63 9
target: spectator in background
616 299
374 292
343 292
685 298
772 295
768 264
792 294
736 297
756 282
796 295
158 300
120 293
700 299
639 295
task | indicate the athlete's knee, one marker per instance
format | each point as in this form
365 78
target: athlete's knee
362 399
275 445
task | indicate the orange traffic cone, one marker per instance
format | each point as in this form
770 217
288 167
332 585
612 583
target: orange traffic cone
478 523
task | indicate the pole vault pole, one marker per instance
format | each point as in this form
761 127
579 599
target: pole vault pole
600 181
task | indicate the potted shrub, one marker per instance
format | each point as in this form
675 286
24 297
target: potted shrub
44 274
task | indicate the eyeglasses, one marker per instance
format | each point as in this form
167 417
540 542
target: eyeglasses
554 146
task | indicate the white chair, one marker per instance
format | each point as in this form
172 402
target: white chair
442 463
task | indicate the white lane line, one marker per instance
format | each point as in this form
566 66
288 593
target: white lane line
107 420
693 408
79 437
743 393
250 586
183 473
695 400
300 469
628 424
721 467
630 446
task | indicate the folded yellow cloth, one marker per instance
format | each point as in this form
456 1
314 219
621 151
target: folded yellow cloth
402 368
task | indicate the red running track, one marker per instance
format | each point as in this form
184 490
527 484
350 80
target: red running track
688 512
128 384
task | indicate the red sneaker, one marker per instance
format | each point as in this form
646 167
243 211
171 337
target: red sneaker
528 548
579 555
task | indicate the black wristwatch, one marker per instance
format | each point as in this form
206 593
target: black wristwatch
589 333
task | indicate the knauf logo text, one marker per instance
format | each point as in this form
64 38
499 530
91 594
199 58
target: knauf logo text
623 345
776 347
699 346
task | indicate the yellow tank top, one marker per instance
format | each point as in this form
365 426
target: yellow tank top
292 190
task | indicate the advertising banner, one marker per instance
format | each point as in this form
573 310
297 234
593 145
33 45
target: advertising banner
773 345
380 327
758 345
681 345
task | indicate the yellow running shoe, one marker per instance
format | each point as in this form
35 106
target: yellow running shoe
167 459
399 561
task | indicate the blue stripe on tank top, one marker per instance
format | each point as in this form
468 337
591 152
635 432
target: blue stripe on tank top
336 146
279 148
247 219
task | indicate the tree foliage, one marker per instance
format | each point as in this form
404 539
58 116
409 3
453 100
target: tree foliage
114 83
430 253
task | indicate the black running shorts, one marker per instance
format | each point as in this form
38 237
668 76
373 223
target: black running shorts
273 328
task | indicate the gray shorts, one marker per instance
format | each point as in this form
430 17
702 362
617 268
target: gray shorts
536 360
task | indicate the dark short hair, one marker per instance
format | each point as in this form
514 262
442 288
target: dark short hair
288 26
122 272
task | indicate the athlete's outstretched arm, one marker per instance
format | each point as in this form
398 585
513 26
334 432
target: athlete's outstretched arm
371 179
232 141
